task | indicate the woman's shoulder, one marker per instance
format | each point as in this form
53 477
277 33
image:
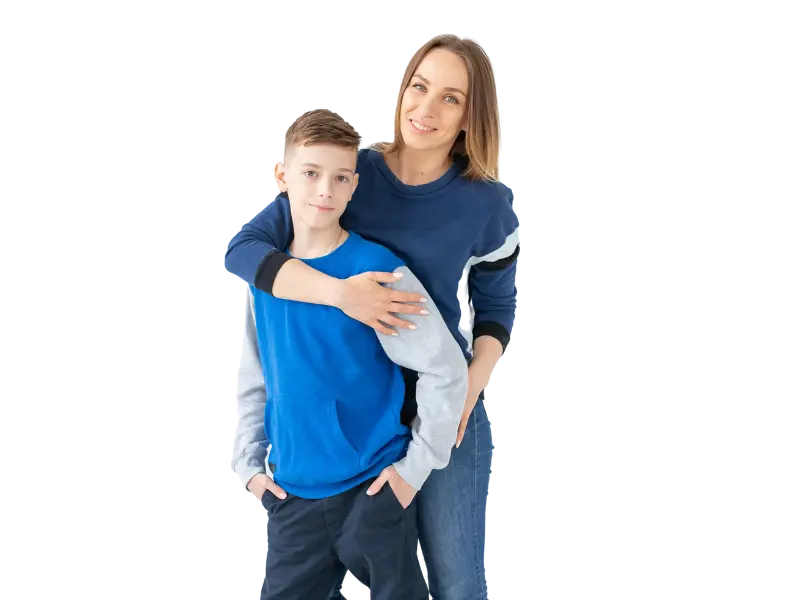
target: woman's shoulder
368 152
494 197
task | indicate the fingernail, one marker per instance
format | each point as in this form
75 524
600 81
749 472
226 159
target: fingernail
282 496
458 443
397 274
412 326
369 492
395 334
424 311
423 299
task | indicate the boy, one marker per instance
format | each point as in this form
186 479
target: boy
325 392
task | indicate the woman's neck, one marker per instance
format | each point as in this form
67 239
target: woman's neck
418 167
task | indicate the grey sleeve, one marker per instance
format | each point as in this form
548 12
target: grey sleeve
251 443
432 351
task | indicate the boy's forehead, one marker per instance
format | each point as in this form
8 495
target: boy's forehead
326 156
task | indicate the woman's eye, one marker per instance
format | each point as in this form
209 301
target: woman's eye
419 87
451 99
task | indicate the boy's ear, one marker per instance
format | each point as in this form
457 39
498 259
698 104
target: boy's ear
355 185
280 177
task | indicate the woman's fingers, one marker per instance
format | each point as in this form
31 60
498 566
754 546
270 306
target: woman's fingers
397 322
407 309
407 297
381 328
381 277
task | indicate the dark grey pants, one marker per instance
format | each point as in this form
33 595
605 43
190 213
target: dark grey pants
311 541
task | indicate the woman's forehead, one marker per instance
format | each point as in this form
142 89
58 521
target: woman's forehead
441 68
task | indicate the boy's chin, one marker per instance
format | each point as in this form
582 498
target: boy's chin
321 222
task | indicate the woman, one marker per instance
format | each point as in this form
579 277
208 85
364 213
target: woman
432 197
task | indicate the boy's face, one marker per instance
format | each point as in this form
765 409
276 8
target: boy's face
320 180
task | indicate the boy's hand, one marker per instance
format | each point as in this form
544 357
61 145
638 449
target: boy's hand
260 484
402 490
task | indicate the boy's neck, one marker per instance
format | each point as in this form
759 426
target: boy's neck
315 243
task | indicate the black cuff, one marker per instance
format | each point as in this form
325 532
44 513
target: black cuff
268 270
492 329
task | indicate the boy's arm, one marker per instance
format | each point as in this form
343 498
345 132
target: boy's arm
441 388
250 446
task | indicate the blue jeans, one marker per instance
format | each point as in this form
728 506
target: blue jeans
451 513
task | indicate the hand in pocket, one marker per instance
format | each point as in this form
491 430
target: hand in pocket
261 484
402 490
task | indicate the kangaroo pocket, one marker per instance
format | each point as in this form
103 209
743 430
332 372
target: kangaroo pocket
311 448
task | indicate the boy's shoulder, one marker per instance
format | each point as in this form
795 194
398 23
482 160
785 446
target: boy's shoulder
371 256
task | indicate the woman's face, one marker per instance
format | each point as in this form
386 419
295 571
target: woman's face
434 107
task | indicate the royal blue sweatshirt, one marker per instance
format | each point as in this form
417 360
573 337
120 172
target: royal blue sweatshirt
325 392
459 237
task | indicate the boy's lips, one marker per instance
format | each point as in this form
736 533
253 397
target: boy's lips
323 208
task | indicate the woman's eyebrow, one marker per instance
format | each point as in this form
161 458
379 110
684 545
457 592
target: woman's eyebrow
447 89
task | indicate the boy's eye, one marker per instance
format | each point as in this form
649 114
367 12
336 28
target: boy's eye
310 173
342 178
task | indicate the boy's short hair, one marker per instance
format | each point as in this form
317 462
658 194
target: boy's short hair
321 126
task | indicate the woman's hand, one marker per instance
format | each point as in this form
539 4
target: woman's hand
477 384
363 298
486 351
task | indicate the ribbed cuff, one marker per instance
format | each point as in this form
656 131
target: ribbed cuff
492 329
268 270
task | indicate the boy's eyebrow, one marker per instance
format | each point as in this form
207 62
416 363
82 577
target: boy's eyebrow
316 166
447 89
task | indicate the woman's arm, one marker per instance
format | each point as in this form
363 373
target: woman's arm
492 287
494 296
256 254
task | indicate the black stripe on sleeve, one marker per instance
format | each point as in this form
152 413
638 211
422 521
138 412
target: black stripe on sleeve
500 264
268 270
492 329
